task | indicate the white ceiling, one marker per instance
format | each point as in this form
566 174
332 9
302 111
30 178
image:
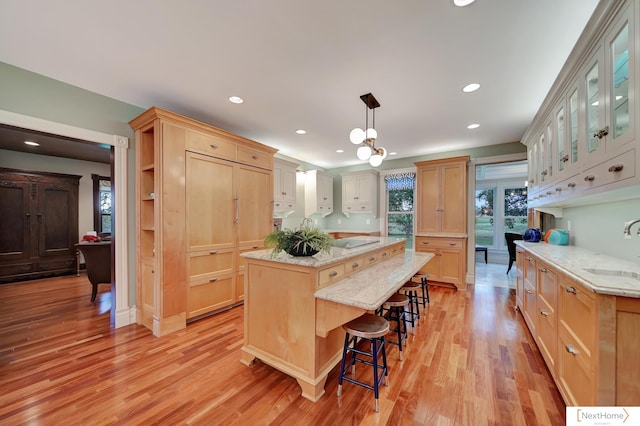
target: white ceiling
304 64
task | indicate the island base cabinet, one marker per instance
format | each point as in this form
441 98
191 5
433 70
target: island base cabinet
280 326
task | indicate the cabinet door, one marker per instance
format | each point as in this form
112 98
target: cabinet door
453 213
350 193
450 265
519 278
254 213
325 193
288 185
57 219
620 71
593 104
17 219
428 203
210 203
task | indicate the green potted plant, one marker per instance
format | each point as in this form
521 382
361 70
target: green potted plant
304 241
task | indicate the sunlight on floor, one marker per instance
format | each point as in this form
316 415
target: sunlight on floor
493 274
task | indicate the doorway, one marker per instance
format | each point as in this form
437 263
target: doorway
121 313
500 205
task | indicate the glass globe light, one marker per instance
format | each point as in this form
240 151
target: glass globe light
372 134
375 160
383 152
364 152
356 136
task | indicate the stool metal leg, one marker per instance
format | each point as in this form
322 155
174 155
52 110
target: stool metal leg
344 358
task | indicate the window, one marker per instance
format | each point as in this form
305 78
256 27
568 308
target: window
399 196
102 205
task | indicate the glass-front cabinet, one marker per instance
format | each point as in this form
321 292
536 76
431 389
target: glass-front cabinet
583 140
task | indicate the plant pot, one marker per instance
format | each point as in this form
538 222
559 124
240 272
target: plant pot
297 251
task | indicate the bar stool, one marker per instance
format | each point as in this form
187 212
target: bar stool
411 288
395 306
424 284
372 328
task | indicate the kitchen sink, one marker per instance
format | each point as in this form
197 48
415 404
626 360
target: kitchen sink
612 273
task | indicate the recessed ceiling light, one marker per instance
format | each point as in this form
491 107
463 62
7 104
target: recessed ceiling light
31 143
236 99
339 151
462 3
472 87
393 153
473 126
301 131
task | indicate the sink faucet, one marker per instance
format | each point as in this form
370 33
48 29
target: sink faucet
627 228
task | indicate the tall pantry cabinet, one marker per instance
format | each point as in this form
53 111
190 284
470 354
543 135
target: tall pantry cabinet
441 218
203 195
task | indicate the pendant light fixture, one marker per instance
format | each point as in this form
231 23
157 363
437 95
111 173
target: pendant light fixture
367 138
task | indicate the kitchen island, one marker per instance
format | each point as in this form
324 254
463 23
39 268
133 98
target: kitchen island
294 306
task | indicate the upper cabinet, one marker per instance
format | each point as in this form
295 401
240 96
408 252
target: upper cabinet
582 142
318 193
360 192
284 187
442 197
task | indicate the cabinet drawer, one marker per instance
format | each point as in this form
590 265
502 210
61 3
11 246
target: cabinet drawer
432 242
547 333
578 314
330 275
618 168
57 265
530 312
371 258
255 158
354 265
209 262
282 206
574 372
548 285
210 145
240 261
209 295
530 270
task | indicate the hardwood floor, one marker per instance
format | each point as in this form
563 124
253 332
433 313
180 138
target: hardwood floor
471 362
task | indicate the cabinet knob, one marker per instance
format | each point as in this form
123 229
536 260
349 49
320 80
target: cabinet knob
384 254
213 252
565 158
255 157
333 273
453 244
616 168
570 289
214 146
571 349
529 291
589 178
544 313
425 242
571 185
371 259
601 133
212 280
544 172
355 265
356 198
559 189
544 270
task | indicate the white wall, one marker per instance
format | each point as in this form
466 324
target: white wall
599 227
42 163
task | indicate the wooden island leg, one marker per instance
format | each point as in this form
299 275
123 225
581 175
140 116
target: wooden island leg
246 358
310 391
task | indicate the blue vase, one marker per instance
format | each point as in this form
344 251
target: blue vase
532 235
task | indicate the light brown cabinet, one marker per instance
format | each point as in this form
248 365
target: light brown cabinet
447 266
202 195
441 217
589 341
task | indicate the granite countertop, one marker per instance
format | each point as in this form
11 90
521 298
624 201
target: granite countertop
322 259
601 273
371 287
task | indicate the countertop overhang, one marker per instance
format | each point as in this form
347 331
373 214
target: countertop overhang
615 277
371 287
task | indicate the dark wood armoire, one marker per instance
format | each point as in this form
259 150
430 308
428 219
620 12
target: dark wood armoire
38 224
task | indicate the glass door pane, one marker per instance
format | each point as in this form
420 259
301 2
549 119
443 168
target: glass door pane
593 103
515 210
573 111
485 224
560 132
620 82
